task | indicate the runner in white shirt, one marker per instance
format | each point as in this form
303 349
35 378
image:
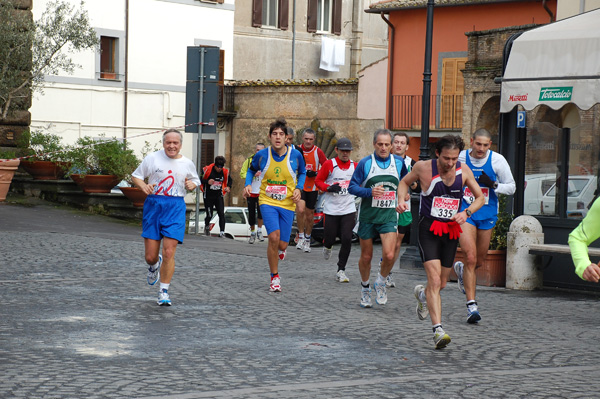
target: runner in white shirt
494 177
169 175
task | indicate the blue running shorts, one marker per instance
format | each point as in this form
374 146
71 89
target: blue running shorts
164 217
276 218
485 224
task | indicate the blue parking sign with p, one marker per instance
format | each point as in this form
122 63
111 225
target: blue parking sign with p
521 118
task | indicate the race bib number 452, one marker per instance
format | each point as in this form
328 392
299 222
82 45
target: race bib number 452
444 208
387 200
276 192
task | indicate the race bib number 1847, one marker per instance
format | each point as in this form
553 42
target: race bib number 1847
387 200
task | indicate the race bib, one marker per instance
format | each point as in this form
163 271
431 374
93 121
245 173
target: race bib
387 200
216 185
469 197
344 185
309 167
444 207
278 193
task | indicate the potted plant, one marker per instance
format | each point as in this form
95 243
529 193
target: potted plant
136 195
493 271
99 165
8 166
45 156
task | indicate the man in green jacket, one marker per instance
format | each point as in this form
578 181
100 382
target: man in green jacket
580 238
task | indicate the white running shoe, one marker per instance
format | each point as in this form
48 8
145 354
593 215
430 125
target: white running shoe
300 244
252 238
275 284
473 315
380 290
259 235
389 283
163 298
422 310
326 253
153 274
306 245
458 269
440 338
341 277
365 298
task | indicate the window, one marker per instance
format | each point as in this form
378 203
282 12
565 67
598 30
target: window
271 13
453 89
108 57
325 16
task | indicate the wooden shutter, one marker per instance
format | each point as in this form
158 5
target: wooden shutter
337 17
453 89
257 13
207 156
283 14
311 22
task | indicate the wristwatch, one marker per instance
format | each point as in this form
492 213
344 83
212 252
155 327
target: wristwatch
495 185
468 212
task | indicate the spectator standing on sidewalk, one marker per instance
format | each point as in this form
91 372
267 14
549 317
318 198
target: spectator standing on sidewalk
216 182
338 206
313 159
169 175
282 170
252 200
376 180
493 175
442 181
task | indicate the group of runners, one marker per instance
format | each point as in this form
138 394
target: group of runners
458 202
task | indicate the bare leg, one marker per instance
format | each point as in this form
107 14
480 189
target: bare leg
168 265
437 276
366 255
388 243
272 251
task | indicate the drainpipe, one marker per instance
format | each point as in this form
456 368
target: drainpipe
549 11
391 73
294 40
126 78
356 40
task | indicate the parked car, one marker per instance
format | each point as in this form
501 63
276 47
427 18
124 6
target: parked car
536 185
580 193
236 223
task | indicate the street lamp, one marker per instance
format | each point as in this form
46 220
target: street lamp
424 155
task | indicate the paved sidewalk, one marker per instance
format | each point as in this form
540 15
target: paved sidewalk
78 320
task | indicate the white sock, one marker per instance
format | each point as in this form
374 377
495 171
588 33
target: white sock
301 236
307 237
164 286
365 284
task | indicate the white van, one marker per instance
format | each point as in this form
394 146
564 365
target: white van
536 185
580 193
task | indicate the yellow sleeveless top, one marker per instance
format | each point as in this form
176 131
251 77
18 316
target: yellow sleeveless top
278 182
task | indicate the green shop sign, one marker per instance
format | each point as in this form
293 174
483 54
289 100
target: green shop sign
556 93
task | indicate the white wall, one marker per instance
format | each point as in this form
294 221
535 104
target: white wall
568 8
159 33
372 90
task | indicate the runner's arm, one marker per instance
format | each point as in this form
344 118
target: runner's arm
582 236
245 167
301 176
506 182
358 177
323 174
469 181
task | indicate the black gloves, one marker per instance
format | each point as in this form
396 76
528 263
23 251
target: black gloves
311 173
485 179
334 188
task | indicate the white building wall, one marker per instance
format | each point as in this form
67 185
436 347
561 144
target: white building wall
159 33
569 8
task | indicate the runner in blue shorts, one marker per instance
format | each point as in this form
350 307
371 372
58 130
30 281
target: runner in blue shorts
283 172
169 175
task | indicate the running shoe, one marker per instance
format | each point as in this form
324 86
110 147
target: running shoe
440 338
381 293
154 273
300 244
473 315
306 245
281 255
422 310
163 298
222 234
326 253
207 230
389 283
252 238
259 235
275 284
458 269
365 298
341 277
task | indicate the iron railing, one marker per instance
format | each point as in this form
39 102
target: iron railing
446 112
226 99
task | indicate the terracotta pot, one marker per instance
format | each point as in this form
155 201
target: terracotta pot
493 271
46 170
7 171
136 195
96 183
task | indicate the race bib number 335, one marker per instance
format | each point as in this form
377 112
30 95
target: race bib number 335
444 208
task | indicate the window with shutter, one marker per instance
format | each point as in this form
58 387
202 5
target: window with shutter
269 12
311 23
453 89
257 13
108 57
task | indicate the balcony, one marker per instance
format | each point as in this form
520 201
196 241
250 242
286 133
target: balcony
446 112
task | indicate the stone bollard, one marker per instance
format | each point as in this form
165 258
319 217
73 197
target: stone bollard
523 271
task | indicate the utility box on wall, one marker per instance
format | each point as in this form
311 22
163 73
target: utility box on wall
202 70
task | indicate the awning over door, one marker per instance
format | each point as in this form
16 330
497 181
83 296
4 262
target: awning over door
554 65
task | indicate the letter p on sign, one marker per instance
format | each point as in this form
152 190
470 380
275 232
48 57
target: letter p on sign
520 118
